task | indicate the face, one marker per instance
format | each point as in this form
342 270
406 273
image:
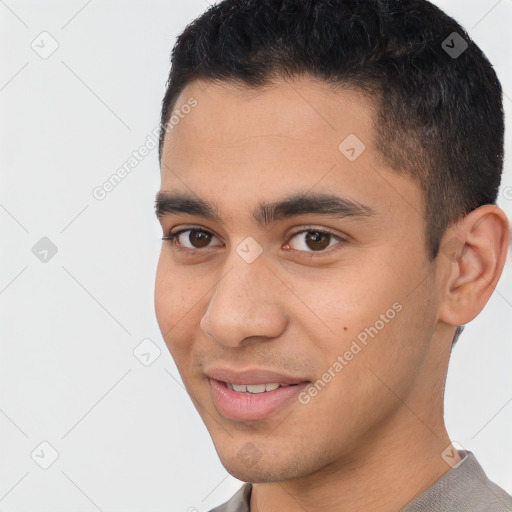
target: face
312 274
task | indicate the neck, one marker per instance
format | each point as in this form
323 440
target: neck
395 466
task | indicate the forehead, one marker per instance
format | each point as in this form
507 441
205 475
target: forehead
299 109
238 144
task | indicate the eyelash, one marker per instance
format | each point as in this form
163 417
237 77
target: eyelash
173 239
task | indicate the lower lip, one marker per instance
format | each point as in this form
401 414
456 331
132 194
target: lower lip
251 407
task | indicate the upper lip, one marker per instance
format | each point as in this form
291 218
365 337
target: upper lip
252 376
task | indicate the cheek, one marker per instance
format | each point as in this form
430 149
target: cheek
172 298
343 302
366 318
179 305
163 302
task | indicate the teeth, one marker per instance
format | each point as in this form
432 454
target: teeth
254 388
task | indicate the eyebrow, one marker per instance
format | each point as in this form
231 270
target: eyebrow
265 213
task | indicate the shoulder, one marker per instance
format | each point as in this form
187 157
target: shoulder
239 502
465 488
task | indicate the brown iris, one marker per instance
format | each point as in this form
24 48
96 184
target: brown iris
201 237
317 239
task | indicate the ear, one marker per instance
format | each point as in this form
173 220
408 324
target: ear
472 256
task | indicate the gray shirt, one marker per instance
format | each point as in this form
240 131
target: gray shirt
465 488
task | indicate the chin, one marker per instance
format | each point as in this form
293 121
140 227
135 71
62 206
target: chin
249 464
259 475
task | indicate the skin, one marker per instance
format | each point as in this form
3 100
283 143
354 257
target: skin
372 438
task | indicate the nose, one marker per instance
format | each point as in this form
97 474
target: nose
248 301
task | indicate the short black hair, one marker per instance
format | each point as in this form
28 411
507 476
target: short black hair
439 114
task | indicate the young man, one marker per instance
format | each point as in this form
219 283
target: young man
329 175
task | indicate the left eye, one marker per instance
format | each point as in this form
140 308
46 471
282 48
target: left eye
315 240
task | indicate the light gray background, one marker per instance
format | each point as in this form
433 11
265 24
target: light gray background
127 435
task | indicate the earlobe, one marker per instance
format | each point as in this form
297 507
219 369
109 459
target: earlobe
473 254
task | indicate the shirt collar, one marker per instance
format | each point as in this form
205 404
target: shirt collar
465 487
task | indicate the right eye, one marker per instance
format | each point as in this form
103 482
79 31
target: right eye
179 239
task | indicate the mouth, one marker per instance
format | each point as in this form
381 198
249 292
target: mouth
256 388
253 402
